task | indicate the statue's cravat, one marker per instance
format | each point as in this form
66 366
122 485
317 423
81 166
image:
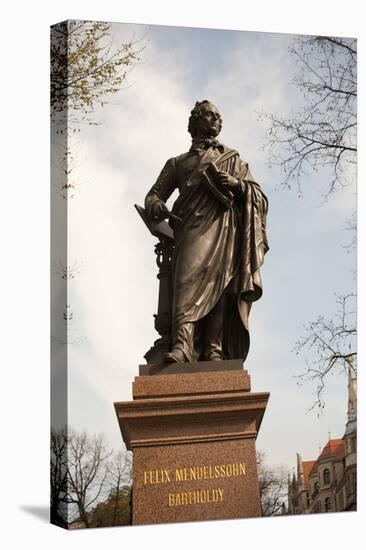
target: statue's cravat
204 143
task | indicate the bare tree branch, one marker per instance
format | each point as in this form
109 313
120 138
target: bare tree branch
87 480
332 343
119 478
323 133
58 477
87 472
272 486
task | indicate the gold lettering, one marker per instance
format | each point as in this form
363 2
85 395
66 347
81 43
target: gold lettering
155 477
179 475
203 496
194 473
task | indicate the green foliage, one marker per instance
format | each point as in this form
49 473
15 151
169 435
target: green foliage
116 510
90 483
85 67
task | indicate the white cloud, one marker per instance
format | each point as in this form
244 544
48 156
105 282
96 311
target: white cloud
115 296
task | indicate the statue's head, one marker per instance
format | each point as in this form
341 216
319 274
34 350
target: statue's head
205 120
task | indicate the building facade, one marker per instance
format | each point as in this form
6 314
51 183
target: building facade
329 483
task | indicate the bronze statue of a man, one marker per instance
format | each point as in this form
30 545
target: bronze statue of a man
220 240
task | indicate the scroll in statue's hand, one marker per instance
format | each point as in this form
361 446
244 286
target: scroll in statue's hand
229 181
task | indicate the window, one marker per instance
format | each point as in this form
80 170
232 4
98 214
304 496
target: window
328 505
326 476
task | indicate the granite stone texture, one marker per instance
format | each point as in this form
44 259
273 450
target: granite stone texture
193 441
185 384
169 497
190 368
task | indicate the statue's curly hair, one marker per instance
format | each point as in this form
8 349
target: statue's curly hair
195 115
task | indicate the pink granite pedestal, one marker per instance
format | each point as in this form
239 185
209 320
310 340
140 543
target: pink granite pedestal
192 429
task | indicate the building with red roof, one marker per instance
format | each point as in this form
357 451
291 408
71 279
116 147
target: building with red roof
329 483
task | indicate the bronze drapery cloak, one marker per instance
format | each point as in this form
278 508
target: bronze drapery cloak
216 249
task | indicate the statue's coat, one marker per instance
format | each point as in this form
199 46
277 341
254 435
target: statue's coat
216 248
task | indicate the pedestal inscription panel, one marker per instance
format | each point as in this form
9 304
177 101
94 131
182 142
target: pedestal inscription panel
195 482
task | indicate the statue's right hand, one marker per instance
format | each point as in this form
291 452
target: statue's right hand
158 211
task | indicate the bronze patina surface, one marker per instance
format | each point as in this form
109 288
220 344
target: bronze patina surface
218 224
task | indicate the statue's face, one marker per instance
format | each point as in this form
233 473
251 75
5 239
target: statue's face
209 124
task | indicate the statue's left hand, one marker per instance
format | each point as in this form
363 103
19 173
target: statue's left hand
229 181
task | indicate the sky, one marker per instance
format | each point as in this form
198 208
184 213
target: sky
113 295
